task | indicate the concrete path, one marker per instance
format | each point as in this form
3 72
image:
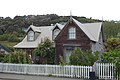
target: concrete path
4 76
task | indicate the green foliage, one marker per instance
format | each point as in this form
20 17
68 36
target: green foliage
45 51
8 45
83 58
113 43
18 57
62 63
4 37
9 38
15 25
2 57
113 53
13 38
111 29
113 57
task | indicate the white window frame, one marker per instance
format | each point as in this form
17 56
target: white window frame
72 33
30 36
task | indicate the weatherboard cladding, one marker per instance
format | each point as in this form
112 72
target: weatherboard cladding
62 41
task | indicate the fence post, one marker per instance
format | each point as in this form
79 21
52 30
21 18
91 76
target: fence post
72 70
46 69
25 69
6 67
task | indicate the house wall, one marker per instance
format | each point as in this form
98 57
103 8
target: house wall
62 41
98 46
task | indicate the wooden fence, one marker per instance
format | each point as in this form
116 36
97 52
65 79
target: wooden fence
104 70
55 70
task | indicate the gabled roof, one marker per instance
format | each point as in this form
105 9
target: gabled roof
34 28
92 30
58 25
46 31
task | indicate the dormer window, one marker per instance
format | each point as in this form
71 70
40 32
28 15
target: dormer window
30 36
55 33
72 33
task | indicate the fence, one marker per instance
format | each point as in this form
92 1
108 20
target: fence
55 70
104 70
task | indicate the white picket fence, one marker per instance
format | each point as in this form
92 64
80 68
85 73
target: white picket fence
55 70
104 70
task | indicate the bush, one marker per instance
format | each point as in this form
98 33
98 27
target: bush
18 57
86 58
113 56
45 51
2 57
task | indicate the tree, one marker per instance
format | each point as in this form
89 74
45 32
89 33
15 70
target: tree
112 44
45 51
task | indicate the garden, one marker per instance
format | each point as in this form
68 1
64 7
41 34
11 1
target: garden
45 53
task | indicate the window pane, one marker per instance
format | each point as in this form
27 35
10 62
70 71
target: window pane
72 33
31 35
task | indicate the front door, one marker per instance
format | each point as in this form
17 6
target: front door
67 53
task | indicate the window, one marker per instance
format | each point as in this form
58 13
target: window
55 33
72 33
30 35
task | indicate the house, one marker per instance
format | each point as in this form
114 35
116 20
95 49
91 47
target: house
87 36
4 50
36 35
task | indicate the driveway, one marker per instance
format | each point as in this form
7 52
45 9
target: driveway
4 76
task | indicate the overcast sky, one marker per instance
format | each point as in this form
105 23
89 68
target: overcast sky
108 9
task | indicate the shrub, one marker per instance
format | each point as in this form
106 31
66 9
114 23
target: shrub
45 51
113 56
2 57
86 58
18 57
